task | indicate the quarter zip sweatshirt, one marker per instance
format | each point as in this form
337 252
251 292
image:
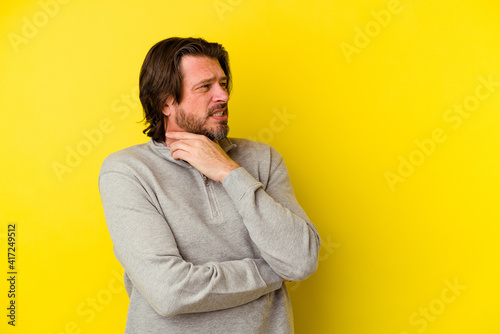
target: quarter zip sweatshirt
202 256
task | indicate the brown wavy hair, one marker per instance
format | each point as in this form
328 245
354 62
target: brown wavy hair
161 77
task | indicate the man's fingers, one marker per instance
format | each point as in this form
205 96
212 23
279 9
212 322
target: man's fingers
180 150
180 154
202 153
181 145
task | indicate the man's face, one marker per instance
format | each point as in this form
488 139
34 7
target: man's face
203 108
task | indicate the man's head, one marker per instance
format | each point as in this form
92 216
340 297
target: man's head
184 86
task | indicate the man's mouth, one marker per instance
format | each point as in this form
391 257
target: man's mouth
219 113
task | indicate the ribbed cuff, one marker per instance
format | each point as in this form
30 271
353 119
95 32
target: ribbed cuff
238 182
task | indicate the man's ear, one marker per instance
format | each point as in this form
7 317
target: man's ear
167 109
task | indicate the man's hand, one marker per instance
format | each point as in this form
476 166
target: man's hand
203 154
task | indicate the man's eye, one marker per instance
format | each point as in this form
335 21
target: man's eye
223 84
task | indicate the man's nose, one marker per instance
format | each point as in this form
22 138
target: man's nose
221 94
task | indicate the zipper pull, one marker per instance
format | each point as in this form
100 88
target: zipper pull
206 180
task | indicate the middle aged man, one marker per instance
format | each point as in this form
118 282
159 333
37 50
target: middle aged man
206 227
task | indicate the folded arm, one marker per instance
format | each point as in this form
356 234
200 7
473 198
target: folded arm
277 224
279 227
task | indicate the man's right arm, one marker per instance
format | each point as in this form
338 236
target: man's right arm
146 247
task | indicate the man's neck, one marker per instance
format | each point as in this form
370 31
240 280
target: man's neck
169 141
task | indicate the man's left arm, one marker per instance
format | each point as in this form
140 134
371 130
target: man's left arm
277 224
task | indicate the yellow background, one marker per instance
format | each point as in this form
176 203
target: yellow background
350 92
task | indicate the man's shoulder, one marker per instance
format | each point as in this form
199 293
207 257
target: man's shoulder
252 145
254 151
127 157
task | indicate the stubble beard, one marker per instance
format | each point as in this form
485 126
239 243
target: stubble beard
190 123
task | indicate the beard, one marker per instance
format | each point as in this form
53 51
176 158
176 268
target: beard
197 125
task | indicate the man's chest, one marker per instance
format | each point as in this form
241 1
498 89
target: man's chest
203 219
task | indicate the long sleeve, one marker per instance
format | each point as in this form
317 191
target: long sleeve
277 224
146 247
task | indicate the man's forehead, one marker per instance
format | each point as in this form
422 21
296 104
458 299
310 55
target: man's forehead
196 68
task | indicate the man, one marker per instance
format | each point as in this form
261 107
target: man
206 227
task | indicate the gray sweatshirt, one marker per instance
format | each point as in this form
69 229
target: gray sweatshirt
202 256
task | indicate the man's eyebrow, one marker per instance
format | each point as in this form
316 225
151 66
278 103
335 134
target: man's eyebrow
208 80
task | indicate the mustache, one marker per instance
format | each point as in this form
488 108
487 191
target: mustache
216 107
